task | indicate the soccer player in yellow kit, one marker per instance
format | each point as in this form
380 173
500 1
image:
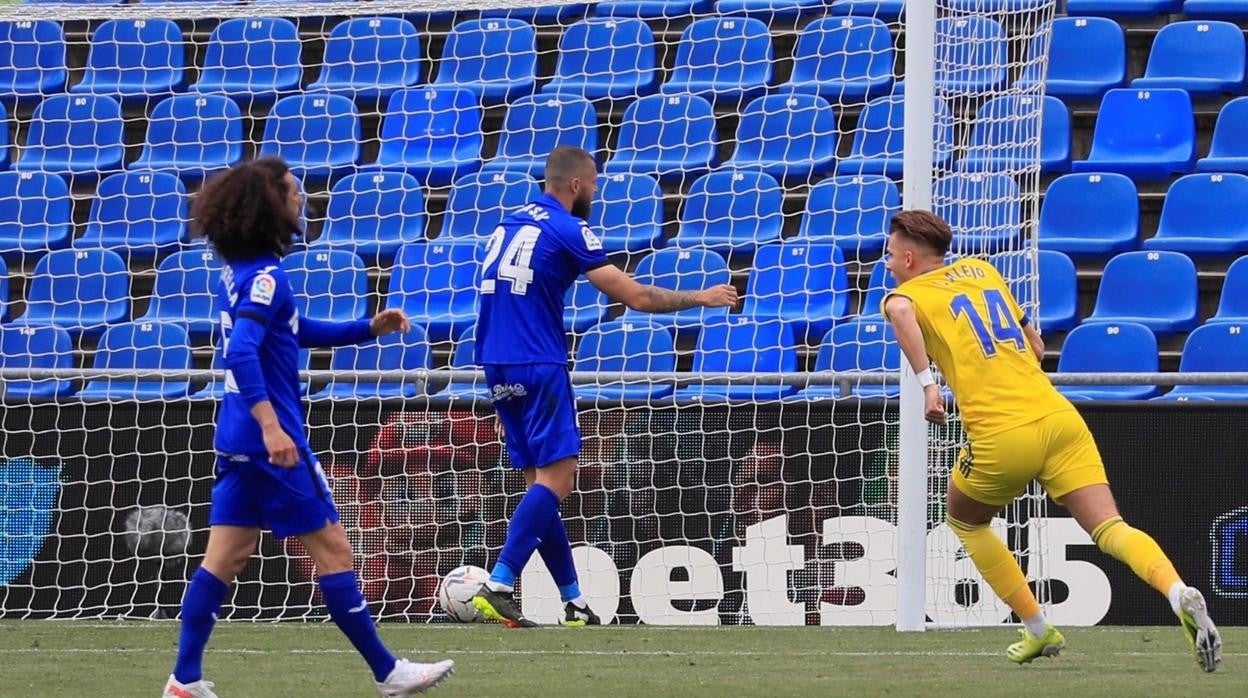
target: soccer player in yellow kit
1019 428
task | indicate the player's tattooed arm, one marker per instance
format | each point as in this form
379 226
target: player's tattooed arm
622 288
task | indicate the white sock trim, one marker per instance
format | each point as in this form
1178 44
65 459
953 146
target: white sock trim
503 588
1175 595
579 602
1037 625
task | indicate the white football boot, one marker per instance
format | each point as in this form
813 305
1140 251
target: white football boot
410 678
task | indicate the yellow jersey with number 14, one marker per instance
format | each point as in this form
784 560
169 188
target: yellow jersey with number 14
973 329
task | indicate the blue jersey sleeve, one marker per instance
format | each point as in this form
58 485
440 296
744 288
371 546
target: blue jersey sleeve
258 301
261 296
584 246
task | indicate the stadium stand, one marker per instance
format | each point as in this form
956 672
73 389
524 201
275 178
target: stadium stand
81 291
802 283
1203 216
1233 304
625 345
139 215
877 145
741 344
140 345
134 59
788 136
192 136
329 285
627 213
1215 9
651 8
36 214
852 211
681 270
479 201
768 9
1228 152
368 58
463 356
981 208
401 351
536 125
878 284
1104 347
1204 58
373 214
1155 289
722 59
584 306
883 9
252 59
434 134
970 58
318 135
1057 285
731 212
435 284
864 344
671 137
605 58
997 130
1145 134
32 60
1086 57
845 60
184 292
1123 8
1090 215
467 59
1219 346
34 346
76 136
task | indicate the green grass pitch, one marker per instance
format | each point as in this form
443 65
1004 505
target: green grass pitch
86 658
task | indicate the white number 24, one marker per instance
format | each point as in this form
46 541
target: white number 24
514 265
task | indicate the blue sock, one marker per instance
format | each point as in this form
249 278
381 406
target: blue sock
199 613
349 611
528 524
556 552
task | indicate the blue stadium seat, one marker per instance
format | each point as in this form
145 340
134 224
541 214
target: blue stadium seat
32 59
400 351
682 270
768 9
536 125
1000 138
74 135
33 346
1203 57
496 59
788 136
4 291
1145 134
845 60
627 213
740 344
605 58
1233 306
982 209
1058 285
625 345
1157 289
436 284
78 290
731 212
317 134
185 292
252 58
140 345
672 137
479 202
722 58
192 136
1090 215
557 14
327 284
434 134
373 213
36 214
1104 347
1123 8
1203 215
463 356
881 9
994 6
1215 9
1229 150
877 146
971 55
583 306
139 215
878 285
853 211
648 9
866 344
1217 347
1086 57
134 58
368 58
803 283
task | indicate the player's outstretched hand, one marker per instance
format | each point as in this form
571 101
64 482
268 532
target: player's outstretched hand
281 448
721 296
387 321
934 405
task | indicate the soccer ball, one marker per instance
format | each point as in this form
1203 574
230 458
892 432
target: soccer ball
456 591
156 531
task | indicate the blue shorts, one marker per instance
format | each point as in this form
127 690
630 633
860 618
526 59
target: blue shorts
536 405
252 492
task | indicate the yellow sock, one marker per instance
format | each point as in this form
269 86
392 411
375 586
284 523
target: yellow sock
998 566
1139 551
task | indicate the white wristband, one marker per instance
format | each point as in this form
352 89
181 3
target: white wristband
925 377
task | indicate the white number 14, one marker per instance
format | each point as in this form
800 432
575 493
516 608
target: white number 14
514 265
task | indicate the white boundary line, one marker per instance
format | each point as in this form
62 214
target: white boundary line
581 653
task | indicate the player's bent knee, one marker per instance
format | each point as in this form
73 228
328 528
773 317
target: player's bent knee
329 549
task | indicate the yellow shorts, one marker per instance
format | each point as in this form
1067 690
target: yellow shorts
1058 450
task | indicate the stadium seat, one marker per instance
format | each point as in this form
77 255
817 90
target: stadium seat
436 284
994 6
672 137
140 345
625 345
134 58
368 58
78 290
1058 285
878 285
681 270
881 9
36 214
769 9
1215 9
185 292
877 146
583 306
1229 150
971 55
33 346
74 135
1123 8
32 60
1086 57
740 344
495 59
4 291
479 202
139 215
722 58
252 58
627 213
557 14
788 136
463 357
1203 216
1103 347
1145 134
400 351
1217 347
866 344
845 60
802 283
327 285
652 9
982 209
605 58
373 213
853 211
192 136
1001 136
433 134
536 125
1090 215
1233 305
1203 57
317 134
1157 289
731 212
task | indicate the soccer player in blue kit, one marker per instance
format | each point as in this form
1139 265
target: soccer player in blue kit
266 473
531 259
